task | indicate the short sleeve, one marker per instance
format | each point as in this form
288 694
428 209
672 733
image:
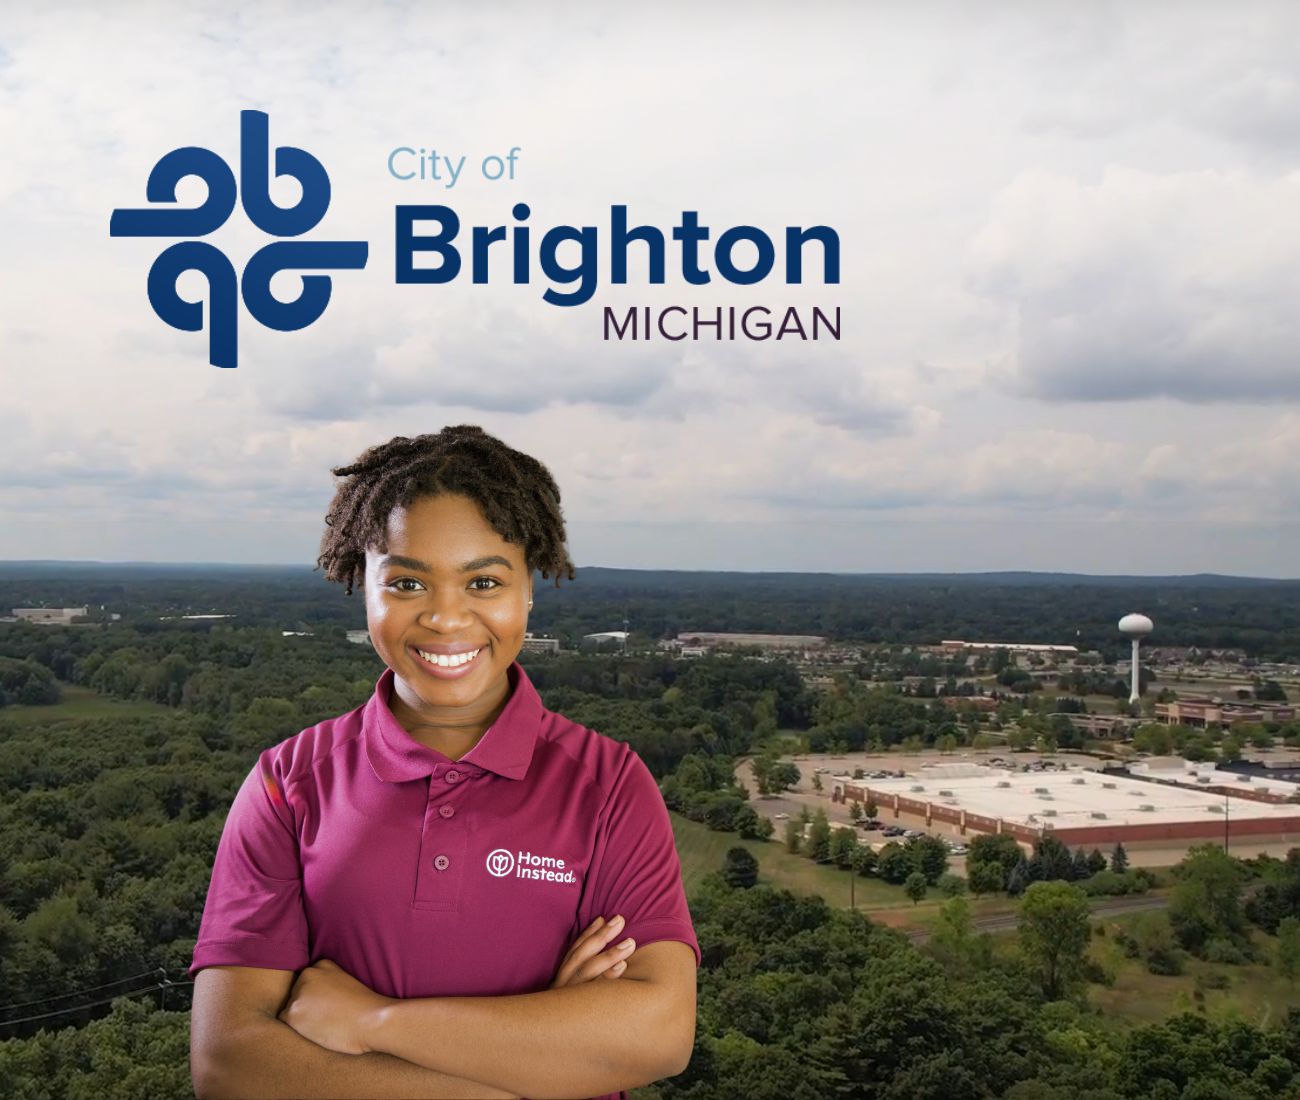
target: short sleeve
635 870
253 915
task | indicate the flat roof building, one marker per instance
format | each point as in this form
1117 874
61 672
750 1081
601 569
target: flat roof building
1079 806
1215 712
763 641
50 615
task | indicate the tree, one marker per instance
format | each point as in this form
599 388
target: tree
893 863
1205 905
740 868
872 808
915 886
1018 880
929 855
985 878
817 783
1054 862
1054 934
1288 948
855 811
843 844
1096 862
1080 868
793 836
954 931
1152 939
1119 859
819 838
864 860
1000 848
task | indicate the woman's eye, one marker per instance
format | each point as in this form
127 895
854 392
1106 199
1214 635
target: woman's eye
405 584
492 583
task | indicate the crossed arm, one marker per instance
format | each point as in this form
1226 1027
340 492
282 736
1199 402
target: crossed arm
580 1040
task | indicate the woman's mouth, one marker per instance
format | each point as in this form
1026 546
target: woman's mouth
448 667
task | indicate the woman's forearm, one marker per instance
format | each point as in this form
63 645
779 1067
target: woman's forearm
266 1059
582 1040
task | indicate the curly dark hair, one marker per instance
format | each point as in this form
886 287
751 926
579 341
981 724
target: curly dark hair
518 496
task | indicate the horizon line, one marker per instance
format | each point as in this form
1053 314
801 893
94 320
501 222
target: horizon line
642 569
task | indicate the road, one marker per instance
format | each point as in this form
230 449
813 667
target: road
1004 922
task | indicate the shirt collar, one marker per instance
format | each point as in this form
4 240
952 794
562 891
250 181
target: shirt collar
506 747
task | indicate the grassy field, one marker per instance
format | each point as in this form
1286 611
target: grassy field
702 850
1255 992
80 702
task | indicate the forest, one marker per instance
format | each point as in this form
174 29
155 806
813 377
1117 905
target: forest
122 743
1261 617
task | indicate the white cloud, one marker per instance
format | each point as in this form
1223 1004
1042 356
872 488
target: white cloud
1069 254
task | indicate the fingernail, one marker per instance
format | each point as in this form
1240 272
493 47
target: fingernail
599 921
618 966
626 944
616 922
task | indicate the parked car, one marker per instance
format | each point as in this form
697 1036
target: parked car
872 824
960 850
912 834
780 817
893 830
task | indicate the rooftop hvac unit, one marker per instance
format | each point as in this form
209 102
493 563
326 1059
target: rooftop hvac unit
1045 797
1215 808
1049 813
945 793
950 802
1100 815
1003 783
1243 779
1147 807
1108 786
1079 781
1203 779
1041 790
917 787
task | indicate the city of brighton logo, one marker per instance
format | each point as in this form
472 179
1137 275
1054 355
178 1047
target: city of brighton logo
254 285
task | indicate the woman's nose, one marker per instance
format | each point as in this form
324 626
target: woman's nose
445 612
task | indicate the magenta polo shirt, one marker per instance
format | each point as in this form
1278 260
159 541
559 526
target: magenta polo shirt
424 876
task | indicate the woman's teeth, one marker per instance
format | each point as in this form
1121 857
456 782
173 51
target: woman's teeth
455 660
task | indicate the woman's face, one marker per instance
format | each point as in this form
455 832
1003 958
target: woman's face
447 602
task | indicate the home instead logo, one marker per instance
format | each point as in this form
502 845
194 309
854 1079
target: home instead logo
502 863
253 190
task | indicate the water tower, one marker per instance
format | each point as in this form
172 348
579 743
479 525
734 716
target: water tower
1136 627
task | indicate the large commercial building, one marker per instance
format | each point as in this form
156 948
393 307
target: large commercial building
1215 712
62 616
1080 807
714 639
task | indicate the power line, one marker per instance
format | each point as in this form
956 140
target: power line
163 985
155 972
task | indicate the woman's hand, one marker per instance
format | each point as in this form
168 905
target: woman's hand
331 1008
591 956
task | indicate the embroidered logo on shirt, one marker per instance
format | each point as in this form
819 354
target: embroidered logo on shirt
501 863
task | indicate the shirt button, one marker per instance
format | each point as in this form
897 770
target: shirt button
446 811
453 777
442 863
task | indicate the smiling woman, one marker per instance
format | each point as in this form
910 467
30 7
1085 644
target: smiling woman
377 924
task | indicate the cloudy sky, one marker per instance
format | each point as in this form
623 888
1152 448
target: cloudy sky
1070 296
